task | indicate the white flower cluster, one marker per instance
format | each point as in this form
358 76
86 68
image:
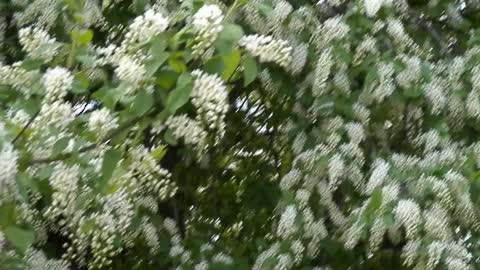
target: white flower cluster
65 184
101 122
57 81
210 97
38 43
58 114
131 71
373 6
268 49
189 130
408 214
207 23
8 167
149 177
146 26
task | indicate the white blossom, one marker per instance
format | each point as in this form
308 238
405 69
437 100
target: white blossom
146 26
101 122
268 49
38 43
57 82
210 97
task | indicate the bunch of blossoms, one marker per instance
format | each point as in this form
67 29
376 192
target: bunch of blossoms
38 43
206 23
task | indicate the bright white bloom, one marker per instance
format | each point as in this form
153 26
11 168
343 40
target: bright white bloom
149 177
378 175
57 82
64 182
38 43
131 71
207 23
208 16
372 6
322 72
286 225
210 97
408 214
102 121
268 49
8 167
146 26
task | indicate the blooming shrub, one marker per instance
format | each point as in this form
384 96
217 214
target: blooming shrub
236 134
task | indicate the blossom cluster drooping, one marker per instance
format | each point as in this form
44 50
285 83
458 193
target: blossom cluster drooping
38 43
146 26
268 49
209 96
207 23
57 82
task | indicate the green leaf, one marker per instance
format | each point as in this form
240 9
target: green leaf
159 152
181 94
166 78
110 161
231 63
228 38
177 64
153 64
31 64
60 146
82 37
142 103
80 83
250 70
169 138
374 204
214 65
19 238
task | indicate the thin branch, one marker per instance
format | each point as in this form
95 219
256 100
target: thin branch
25 127
88 147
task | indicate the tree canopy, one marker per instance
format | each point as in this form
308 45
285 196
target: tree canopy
237 134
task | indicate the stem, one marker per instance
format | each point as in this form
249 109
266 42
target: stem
231 9
71 55
25 127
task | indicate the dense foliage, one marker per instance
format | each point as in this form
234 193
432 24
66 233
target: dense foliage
236 134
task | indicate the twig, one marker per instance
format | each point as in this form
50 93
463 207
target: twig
25 127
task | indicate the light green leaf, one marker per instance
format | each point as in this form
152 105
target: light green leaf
19 238
231 62
159 152
80 83
228 38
